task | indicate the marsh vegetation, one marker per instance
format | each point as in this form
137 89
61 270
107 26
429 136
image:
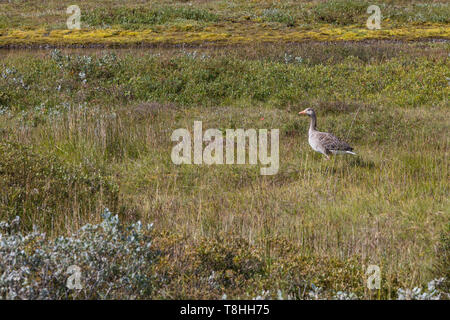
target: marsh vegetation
86 130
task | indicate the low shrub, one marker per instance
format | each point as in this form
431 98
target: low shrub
341 12
141 17
43 190
442 265
111 261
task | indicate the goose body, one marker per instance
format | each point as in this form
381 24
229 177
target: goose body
325 142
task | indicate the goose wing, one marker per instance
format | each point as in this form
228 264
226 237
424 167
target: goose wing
332 143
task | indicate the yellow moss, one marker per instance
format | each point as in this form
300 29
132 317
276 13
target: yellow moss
236 33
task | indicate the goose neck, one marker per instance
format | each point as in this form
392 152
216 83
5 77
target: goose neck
312 124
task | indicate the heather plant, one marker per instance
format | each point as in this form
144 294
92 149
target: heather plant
39 189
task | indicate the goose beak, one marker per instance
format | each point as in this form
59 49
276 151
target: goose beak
302 112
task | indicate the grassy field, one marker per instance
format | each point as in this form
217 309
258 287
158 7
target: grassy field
87 129
115 23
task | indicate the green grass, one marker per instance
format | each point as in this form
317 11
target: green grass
135 15
144 17
92 130
36 186
112 23
85 130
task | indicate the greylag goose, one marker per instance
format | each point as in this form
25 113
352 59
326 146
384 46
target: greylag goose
324 142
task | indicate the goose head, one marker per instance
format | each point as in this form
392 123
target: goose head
308 111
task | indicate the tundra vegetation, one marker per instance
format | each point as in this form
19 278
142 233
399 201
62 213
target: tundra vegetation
85 135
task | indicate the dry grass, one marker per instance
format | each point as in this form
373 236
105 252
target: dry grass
94 130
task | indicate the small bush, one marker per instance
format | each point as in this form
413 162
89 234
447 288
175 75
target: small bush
141 17
341 12
114 262
4 99
235 256
275 15
432 292
442 265
86 67
43 190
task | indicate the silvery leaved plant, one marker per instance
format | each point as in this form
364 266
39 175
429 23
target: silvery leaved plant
13 77
114 262
431 293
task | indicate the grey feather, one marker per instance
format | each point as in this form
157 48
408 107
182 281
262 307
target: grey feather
325 142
